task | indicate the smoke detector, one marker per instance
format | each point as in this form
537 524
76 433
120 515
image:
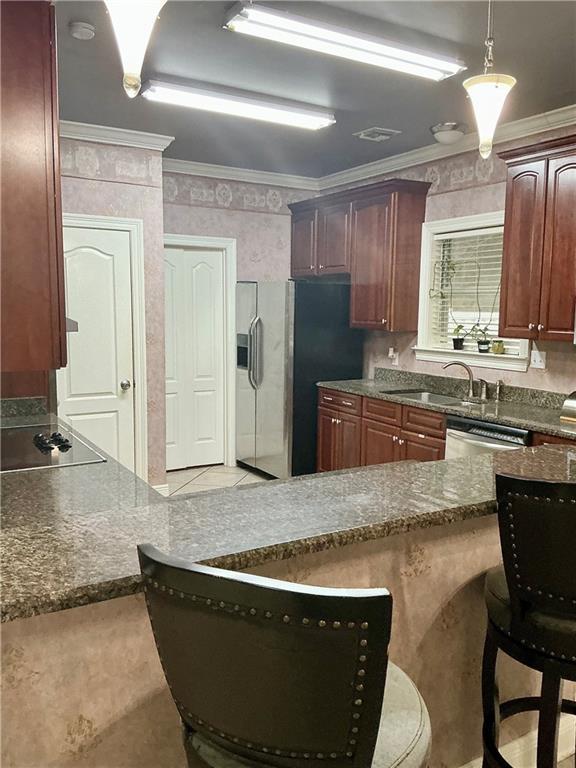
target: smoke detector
81 30
377 134
448 133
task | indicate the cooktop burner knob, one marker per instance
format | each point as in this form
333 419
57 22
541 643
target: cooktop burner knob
65 445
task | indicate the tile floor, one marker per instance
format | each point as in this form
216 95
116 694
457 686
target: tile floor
182 481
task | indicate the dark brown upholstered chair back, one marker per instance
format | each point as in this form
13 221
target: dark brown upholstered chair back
537 522
277 673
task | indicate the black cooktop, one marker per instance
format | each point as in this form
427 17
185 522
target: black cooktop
43 447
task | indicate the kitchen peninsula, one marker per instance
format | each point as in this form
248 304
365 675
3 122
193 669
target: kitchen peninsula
426 531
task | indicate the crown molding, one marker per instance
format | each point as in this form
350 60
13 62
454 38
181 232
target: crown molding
103 134
518 129
240 174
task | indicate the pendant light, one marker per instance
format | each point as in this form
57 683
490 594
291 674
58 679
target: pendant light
488 92
133 21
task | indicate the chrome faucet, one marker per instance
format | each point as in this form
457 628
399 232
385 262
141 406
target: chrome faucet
470 376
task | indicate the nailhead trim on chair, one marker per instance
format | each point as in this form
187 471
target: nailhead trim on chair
560 598
237 610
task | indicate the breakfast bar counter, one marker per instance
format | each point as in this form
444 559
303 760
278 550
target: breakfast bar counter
428 532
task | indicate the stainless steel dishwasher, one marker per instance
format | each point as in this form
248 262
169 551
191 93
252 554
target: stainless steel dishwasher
469 437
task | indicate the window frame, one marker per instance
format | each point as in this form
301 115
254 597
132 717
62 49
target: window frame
424 349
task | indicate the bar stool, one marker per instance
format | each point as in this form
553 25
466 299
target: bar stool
269 673
531 604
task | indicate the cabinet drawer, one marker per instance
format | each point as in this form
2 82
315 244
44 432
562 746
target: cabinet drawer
341 401
381 410
421 421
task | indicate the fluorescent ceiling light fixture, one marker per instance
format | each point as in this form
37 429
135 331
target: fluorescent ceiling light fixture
133 21
259 21
238 104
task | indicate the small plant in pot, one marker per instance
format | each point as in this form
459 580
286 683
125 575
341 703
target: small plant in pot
458 336
482 338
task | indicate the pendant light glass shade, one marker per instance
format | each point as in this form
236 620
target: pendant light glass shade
133 21
488 93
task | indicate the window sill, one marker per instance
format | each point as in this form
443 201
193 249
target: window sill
476 359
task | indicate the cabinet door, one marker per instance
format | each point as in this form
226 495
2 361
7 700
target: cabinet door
333 241
348 442
522 255
326 446
420 447
379 443
304 244
33 322
556 321
371 263
539 438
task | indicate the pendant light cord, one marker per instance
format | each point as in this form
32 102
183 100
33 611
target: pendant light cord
489 42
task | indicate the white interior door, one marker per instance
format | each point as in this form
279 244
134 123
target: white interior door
100 356
194 290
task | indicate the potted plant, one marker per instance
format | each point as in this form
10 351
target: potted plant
458 337
480 333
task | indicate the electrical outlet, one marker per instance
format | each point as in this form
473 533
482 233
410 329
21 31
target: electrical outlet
537 358
393 355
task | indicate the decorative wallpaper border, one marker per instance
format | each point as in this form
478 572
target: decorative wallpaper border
204 192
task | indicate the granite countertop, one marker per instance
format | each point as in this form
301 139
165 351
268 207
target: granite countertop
69 536
525 415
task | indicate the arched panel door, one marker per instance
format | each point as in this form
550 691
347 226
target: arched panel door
559 272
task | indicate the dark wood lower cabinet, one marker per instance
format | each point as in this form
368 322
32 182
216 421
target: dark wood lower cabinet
348 441
379 436
420 447
379 443
326 446
539 438
339 440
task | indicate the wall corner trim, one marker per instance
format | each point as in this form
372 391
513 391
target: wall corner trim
104 134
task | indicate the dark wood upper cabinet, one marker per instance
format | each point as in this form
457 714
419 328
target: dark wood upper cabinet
304 244
372 233
558 298
333 242
539 260
33 321
372 263
523 236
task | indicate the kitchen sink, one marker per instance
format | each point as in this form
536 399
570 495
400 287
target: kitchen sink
430 398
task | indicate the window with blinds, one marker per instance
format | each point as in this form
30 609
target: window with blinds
464 289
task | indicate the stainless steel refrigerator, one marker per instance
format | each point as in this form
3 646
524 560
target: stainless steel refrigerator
290 335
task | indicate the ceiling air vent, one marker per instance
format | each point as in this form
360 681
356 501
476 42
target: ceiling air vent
377 134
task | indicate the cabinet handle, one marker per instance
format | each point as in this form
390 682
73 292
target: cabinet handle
320 266
383 321
327 399
421 436
540 327
401 442
347 402
394 438
531 326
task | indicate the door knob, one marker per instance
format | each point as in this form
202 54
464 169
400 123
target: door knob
125 385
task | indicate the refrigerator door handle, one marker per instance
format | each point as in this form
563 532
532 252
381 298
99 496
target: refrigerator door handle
255 334
251 351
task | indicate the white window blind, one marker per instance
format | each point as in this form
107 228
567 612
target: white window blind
465 275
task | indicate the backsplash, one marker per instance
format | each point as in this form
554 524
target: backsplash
23 406
458 387
558 376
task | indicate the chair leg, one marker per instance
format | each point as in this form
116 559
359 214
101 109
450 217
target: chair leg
490 694
549 720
